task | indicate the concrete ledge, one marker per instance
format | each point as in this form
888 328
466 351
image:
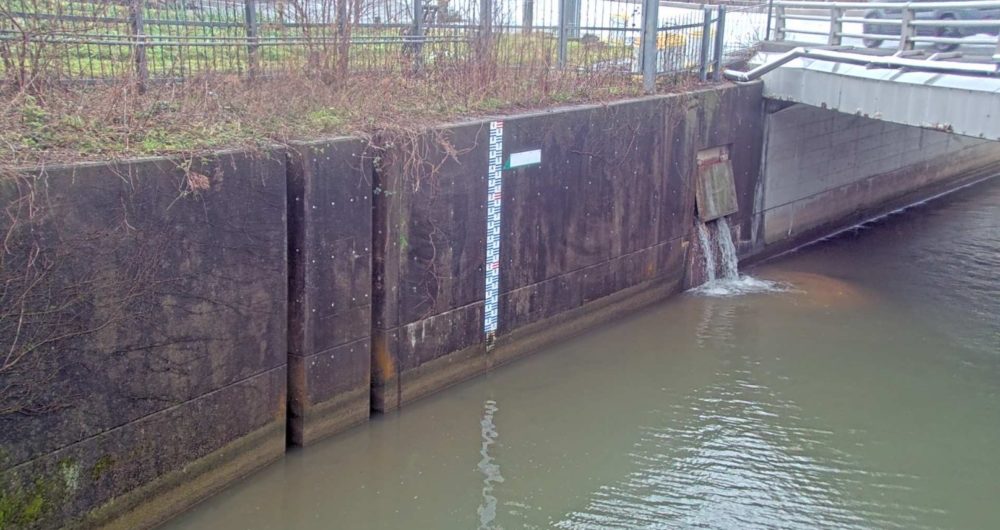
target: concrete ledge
538 335
157 501
469 362
330 388
336 415
442 373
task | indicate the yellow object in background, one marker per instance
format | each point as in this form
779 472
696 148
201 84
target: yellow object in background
666 40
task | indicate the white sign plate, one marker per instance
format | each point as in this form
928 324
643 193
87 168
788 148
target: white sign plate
524 158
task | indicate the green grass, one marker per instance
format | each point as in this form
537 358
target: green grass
108 54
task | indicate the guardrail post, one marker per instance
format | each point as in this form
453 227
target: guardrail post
529 16
484 35
706 43
250 18
648 59
836 26
573 8
767 25
563 32
996 54
779 23
139 40
906 30
418 34
720 41
485 17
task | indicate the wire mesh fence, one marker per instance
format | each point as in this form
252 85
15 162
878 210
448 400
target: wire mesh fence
92 40
745 27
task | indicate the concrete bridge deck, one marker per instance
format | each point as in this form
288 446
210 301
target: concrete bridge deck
951 96
955 91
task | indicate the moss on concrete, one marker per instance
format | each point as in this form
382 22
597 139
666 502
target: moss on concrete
102 466
28 505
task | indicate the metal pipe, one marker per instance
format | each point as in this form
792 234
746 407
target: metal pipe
813 18
947 23
955 40
880 21
862 60
922 6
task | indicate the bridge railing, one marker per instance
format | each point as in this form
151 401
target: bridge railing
947 28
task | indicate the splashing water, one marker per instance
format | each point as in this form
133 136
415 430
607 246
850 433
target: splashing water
743 285
716 241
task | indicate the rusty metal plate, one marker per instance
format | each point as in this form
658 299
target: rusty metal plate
715 190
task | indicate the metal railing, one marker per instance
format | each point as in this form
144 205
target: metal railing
911 23
870 61
92 40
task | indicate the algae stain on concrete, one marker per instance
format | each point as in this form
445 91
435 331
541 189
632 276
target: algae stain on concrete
28 507
33 503
102 466
69 470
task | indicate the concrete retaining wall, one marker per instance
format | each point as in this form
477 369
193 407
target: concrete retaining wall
156 323
597 229
824 170
177 310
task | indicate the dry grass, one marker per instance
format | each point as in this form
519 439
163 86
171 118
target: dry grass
64 124
320 86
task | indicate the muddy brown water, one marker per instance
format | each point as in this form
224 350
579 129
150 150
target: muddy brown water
865 393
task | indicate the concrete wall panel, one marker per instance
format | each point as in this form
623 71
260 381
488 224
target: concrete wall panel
604 216
330 227
167 283
825 170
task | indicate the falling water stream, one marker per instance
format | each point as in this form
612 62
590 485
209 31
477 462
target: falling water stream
727 251
721 264
708 251
864 394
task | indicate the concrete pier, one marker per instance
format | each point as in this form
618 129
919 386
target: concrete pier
161 371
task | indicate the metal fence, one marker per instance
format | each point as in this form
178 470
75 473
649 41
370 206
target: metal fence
944 26
174 39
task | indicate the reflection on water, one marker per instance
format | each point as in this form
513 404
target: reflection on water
866 395
738 455
490 470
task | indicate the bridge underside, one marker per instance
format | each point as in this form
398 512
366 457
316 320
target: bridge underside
960 104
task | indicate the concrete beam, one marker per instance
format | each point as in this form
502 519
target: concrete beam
966 105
